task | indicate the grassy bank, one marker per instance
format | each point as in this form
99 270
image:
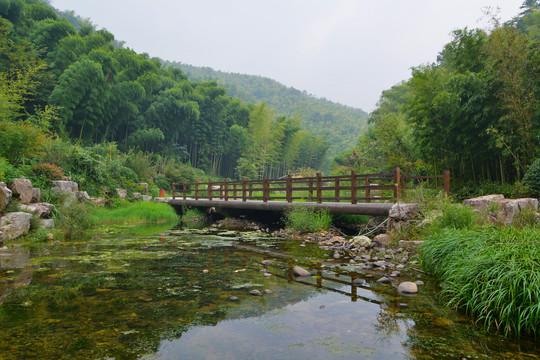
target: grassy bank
490 272
135 213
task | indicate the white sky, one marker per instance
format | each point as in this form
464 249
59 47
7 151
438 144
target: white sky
347 51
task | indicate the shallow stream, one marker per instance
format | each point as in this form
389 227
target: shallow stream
148 292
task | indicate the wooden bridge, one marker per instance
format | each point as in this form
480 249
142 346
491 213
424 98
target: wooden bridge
358 194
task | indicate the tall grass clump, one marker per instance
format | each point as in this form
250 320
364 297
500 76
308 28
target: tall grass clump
304 219
492 273
136 212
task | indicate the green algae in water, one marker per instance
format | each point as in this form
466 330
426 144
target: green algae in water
130 293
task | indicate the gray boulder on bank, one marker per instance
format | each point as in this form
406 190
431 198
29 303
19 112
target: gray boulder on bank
22 188
122 193
82 196
47 223
146 198
65 186
402 215
13 225
408 287
5 196
36 195
136 195
503 210
43 210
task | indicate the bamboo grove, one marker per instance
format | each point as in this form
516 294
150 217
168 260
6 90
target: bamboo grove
68 80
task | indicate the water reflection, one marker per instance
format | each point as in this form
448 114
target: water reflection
185 295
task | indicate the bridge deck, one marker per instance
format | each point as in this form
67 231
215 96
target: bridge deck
374 209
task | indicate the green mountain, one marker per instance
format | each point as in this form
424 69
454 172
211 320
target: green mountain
340 124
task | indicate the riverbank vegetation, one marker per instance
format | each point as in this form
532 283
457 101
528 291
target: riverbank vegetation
474 111
136 212
306 220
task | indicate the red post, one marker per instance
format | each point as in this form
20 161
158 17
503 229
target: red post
234 191
244 189
226 190
354 195
336 192
447 182
197 190
319 188
288 187
172 186
209 189
310 189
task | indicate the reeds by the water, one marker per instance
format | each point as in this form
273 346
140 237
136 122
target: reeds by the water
136 212
493 273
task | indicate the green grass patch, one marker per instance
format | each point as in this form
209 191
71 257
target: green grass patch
492 273
136 213
304 219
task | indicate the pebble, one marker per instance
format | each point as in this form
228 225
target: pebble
255 293
205 271
388 257
266 262
419 282
384 280
408 287
400 267
336 256
233 298
267 274
267 291
395 274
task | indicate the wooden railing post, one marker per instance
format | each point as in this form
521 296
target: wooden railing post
336 192
226 190
447 182
319 188
397 180
250 190
209 189
172 186
234 191
244 189
266 190
354 197
288 188
403 184
185 190
197 190
310 190
368 190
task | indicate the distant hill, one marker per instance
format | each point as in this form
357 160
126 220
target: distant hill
339 123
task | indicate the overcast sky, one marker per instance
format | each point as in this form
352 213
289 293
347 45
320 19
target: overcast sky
347 51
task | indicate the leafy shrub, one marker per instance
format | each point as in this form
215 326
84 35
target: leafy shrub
73 219
8 171
532 178
304 219
48 170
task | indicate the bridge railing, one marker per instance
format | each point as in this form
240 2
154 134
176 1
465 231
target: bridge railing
344 188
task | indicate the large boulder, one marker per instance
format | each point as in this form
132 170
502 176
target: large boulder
5 196
146 198
65 186
36 195
382 239
404 211
122 193
22 188
510 208
99 201
408 287
13 225
82 196
482 202
43 210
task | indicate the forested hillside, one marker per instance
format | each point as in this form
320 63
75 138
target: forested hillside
475 111
71 96
339 123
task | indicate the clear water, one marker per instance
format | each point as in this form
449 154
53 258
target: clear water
130 293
